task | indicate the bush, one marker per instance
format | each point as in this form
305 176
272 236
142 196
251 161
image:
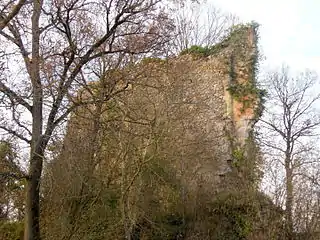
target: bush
11 230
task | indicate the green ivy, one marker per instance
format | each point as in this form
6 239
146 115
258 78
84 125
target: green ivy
234 36
238 156
200 51
235 212
248 94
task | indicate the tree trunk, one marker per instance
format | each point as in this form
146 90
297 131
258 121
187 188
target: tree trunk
289 203
37 146
124 201
32 207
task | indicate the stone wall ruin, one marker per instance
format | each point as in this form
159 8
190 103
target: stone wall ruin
206 102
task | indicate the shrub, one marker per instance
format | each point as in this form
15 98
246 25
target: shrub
11 230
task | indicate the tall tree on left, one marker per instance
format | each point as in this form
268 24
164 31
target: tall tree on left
50 49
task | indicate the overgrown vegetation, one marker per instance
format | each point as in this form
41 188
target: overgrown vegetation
107 134
234 38
199 51
11 230
130 171
249 95
235 214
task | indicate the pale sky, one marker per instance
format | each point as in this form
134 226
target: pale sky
290 29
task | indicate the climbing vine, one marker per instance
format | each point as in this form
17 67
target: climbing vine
238 156
246 160
249 95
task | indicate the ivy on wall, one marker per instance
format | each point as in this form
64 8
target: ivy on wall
199 51
248 94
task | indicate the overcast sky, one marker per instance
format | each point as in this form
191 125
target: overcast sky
290 29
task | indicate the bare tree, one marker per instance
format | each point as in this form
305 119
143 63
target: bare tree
201 24
289 127
51 49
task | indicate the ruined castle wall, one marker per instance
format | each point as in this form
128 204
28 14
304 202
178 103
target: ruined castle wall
186 102
228 116
193 97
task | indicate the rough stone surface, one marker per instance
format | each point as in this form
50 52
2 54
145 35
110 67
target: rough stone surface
189 94
204 81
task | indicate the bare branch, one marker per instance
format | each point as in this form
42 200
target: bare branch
15 133
14 97
274 127
4 20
